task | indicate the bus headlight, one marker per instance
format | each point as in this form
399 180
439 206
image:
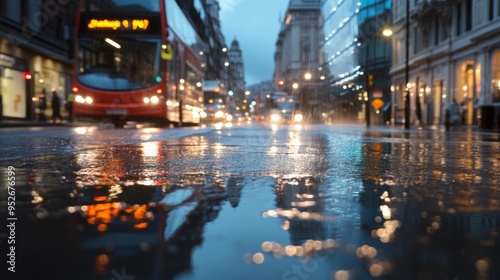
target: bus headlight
83 100
79 99
146 100
155 99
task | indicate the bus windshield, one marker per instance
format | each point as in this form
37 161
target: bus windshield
120 6
120 63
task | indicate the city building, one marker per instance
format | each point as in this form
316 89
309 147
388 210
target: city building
453 56
35 55
216 58
236 74
357 60
298 58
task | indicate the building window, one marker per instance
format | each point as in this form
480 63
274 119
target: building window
479 15
459 19
465 82
398 51
437 31
3 7
495 77
468 15
491 9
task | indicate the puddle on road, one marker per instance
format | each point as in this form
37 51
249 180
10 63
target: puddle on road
323 207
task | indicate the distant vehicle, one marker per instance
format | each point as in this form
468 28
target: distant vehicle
130 66
215 102
285 110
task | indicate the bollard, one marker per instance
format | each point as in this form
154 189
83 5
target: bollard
487 119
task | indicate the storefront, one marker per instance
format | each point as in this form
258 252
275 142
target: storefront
48 75
495 77
14 86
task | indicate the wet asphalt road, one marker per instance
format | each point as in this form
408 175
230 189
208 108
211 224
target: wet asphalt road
249 202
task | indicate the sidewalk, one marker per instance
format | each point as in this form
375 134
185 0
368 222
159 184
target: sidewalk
25 123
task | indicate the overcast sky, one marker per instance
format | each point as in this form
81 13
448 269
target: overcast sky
255 24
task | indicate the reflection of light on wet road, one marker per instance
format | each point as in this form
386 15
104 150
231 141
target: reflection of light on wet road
294 213
100 215
85 130
305 251
150 149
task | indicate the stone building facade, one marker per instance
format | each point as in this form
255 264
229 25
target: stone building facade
454 55
236 72
298 57
35 54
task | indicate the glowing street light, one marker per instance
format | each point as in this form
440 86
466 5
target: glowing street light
387 32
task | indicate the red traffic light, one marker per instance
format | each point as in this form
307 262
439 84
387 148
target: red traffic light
27 75
281 82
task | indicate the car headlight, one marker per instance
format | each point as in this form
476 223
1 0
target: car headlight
298 118
219 114
275 117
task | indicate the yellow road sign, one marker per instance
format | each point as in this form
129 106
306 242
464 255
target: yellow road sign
377 103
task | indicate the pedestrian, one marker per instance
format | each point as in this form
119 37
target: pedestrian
56 107
42 105
455 116
69 105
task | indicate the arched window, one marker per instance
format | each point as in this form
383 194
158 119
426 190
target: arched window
495 76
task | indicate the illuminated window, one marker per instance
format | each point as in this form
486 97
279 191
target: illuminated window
495 77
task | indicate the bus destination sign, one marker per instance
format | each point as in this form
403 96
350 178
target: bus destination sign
126 24
115 24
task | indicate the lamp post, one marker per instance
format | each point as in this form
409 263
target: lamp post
294 87
305 96
407 69
386 32
368 84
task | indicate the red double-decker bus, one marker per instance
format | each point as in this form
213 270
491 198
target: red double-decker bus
137 60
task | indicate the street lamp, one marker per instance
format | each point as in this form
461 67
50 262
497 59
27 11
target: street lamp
369 82
387 32
407 68
371 69
294 87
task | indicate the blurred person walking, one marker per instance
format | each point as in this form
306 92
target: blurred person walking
56 107
42 105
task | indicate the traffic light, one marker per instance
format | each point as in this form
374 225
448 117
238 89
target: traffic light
370 80
281 83
27 75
